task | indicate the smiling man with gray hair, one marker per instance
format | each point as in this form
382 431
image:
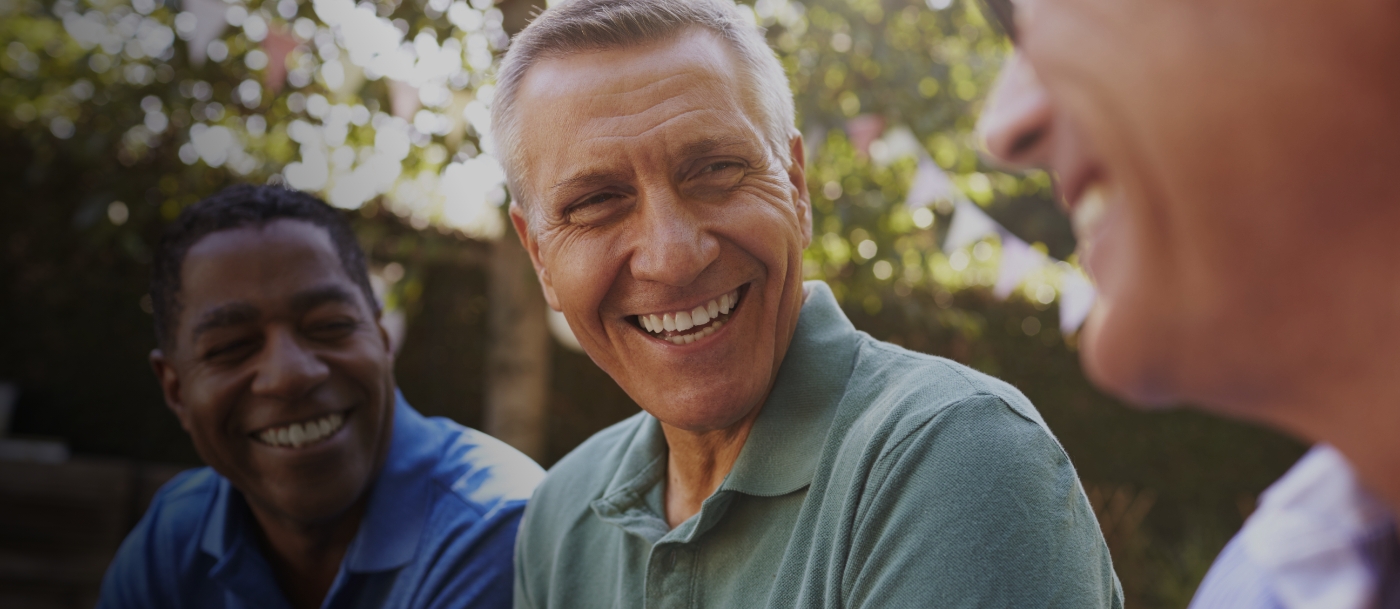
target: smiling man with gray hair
783 459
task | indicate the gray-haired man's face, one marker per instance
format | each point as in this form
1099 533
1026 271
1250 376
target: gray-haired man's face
663 226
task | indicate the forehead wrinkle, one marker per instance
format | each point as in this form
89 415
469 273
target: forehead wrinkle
616 129
650 84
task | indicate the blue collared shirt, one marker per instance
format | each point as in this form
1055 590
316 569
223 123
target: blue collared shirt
1319 540
438 531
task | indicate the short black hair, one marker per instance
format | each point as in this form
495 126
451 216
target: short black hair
240 206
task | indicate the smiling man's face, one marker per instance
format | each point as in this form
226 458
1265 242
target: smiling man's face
280 371
1227 164
663 226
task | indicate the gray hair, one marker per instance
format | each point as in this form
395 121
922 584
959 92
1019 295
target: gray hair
596 25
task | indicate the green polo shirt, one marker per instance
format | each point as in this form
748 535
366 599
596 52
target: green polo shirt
873 477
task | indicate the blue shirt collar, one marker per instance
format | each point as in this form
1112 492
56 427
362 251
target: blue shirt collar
400 500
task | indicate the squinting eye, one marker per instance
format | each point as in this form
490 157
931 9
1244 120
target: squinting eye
720 166
594 209
598 198
333 330
228 351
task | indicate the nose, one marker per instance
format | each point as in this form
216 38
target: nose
1015 125
287 369
672 247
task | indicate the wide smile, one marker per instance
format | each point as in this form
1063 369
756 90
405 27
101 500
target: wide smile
302 434
687 326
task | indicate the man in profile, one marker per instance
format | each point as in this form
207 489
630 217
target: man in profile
1231 169
783 459
324 488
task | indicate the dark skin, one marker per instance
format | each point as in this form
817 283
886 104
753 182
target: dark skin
272 332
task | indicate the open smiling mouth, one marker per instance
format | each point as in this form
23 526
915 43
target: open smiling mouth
685 327
303 433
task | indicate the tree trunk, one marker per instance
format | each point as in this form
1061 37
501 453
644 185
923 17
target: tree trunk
517 364
517 361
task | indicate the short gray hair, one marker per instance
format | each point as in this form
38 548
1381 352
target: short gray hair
596 25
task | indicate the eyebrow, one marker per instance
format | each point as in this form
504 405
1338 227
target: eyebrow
226 316
309 299
589 178
696 148
707 145
239 313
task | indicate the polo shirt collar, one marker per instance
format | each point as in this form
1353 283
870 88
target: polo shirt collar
782 450
401 499
780 455
399 504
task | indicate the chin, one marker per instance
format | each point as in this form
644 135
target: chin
323 505
1122 358
701 412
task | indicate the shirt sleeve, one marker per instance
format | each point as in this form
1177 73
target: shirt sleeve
476 568
144 572
978 507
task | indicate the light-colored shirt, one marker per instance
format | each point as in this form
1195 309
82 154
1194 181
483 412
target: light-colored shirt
1318 540
438 532
872 477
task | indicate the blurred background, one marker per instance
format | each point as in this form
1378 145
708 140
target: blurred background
116 114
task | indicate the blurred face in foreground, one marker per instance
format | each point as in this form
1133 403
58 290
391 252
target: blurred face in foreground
662 225
280 373
1230 166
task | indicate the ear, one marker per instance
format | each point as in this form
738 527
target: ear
527 239
797 174
170 386
384 335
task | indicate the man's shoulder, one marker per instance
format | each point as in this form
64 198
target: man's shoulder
900 400
480 470
180 506
158 556
896 381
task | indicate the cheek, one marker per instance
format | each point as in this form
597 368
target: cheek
1132 341
208 400
767 224
582 270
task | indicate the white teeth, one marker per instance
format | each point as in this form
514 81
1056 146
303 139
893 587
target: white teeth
1089 211
686 339
704 315
304 433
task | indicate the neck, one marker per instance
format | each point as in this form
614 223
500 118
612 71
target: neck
306 557
697 463
1361 427
1356 410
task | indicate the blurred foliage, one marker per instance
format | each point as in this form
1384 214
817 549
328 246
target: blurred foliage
108 129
